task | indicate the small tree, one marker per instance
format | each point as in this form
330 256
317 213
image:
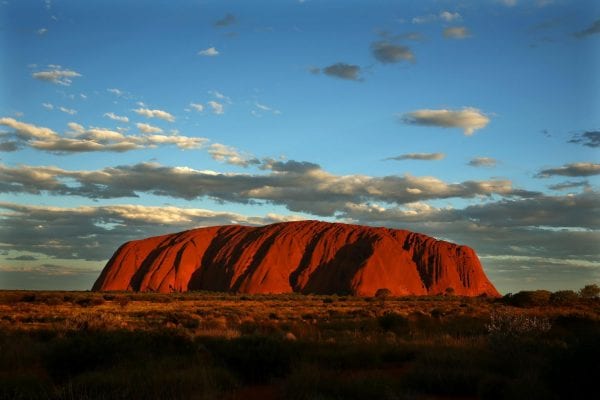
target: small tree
590 291
449 291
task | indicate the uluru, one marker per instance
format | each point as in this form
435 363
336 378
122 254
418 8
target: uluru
304 256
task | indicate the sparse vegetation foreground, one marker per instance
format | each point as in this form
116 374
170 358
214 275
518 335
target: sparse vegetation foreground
82 345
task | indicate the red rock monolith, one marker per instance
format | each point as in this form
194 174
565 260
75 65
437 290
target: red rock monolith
305 257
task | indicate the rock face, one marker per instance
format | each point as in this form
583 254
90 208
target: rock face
306 257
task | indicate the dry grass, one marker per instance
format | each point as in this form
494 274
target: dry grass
210 345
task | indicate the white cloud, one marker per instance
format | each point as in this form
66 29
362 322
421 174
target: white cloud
116 117
28 131
216 107
424 19
220 96
80 139
116 92
196 106
449 16
209 52
75 127
266 108
446 16
57 75
146 128
231 155
456 32
41 31
183 142
69 111
469 119
508 3
48 106
155 114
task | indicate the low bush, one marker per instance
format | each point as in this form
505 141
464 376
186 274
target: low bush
530 298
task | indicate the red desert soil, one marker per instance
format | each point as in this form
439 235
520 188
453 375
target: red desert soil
305 256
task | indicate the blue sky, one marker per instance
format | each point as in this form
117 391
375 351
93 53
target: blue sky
473 121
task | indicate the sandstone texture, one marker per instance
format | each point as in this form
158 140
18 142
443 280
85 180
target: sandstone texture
305 257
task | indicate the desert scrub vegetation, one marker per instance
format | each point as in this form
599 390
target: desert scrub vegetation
202 345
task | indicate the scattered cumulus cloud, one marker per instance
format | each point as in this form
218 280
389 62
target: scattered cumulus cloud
116 117
146 112
231 155
55 74
456 32
116 92
197 106
146 128
93 139
209 52
42 31
387 52
482 162
419 156
260 108
220 96
27 131
69 111
468 119
446 16
48 106
301 187
216 107
573 170
449 16
343 71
